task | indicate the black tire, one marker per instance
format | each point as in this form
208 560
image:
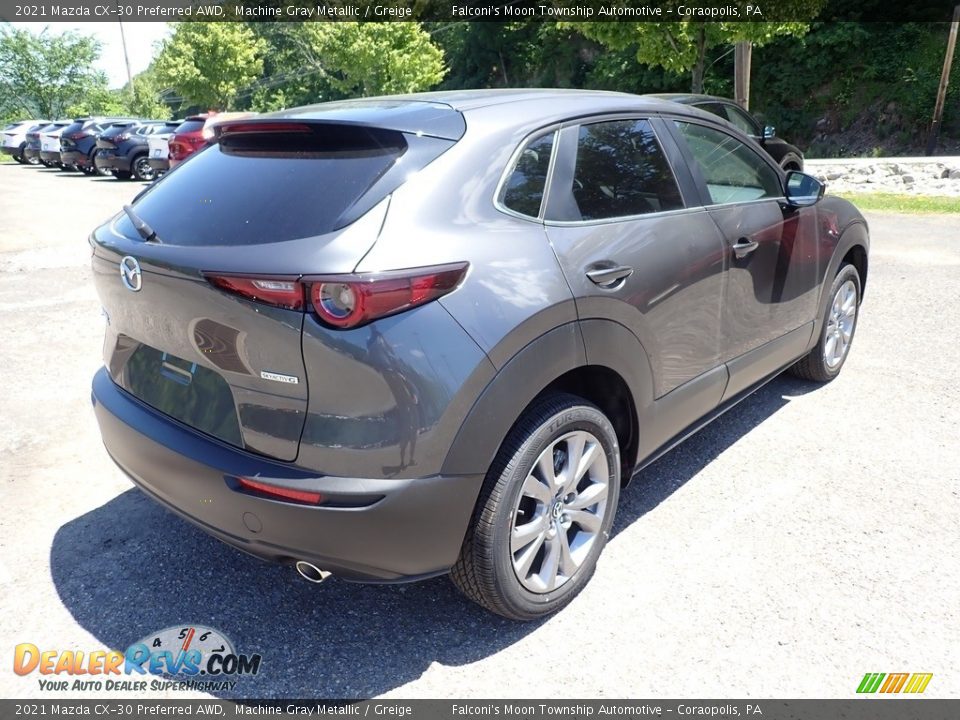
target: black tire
19 157
121 174
142 170
791 162
813 366
484 571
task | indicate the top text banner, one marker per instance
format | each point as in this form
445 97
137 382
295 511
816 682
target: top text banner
474 11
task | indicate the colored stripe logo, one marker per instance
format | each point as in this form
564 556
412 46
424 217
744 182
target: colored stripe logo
914 683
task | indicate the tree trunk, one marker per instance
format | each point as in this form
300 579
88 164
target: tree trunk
698 69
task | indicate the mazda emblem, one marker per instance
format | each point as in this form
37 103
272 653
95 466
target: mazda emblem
130 274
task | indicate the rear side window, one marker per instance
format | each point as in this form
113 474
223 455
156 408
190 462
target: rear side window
271 187
733 172
742 121
621 171
523 192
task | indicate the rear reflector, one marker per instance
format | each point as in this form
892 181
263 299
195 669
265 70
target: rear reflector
283 292
281 493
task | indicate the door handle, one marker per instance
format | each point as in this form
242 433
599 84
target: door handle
744 247
607 276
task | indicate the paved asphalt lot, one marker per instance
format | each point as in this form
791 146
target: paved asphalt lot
810 535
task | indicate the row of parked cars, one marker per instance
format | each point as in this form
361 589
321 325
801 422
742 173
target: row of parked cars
123 147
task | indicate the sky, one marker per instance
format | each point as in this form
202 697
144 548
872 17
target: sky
140 39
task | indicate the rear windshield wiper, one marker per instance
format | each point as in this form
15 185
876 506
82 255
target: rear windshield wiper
144 230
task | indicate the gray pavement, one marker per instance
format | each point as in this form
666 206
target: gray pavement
807 537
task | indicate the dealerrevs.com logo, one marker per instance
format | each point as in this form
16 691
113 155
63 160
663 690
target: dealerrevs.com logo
185 657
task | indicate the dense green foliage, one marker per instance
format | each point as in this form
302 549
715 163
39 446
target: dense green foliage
42 75
209 63
313 62
683 46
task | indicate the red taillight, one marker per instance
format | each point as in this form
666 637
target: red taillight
281 493
76 135
282 292
347 301
119 138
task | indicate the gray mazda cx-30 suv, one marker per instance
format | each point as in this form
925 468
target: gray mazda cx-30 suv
400 337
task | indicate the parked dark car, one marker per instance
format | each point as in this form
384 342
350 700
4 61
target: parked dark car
122 148
187 139
788 156
31 151
78 142
401 337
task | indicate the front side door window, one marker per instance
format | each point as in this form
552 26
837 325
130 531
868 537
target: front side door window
732 171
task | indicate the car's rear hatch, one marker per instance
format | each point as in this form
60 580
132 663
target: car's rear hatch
68 138
109 138
267 203
50 140
187 138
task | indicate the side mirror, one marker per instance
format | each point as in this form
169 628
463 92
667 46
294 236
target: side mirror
803 190
769 131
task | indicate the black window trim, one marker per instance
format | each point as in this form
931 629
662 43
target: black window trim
694 167
565 152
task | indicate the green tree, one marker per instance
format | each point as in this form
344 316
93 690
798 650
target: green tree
310 62
42 75
682 46
146 99
208 63
514 54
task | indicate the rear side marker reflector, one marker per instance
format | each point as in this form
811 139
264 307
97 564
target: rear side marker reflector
281 493
281 293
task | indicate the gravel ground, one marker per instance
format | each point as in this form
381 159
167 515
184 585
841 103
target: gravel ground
808 536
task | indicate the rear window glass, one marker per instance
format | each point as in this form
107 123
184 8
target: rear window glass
265 188
117 129
190 126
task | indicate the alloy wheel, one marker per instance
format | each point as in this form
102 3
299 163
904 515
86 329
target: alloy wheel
142 169
840 324
559 512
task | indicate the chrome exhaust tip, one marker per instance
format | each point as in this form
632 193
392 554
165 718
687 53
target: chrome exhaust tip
311 573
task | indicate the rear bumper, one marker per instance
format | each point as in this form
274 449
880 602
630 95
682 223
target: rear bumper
109 160
74 157
9 150
31 152
379 530
50 156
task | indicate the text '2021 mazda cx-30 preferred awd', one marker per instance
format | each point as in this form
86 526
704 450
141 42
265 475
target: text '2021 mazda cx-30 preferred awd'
394 338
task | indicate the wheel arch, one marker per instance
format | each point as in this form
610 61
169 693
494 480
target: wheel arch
853 247
598 360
